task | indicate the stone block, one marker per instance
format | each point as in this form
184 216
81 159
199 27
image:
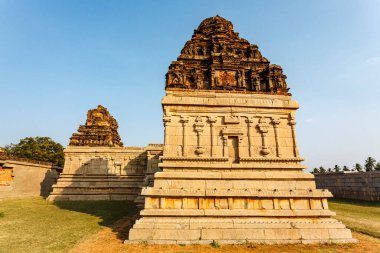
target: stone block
232 234
340 233
315 234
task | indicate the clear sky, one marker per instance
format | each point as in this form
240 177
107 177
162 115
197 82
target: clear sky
60 58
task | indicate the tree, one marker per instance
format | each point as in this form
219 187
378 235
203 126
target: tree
37 148
377 167
329 170
315 170
345 168
337 168
358 167
370 164
322 170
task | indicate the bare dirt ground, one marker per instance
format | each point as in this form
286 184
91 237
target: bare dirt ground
111 240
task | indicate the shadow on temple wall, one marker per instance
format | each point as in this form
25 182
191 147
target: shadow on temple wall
46 185
119 215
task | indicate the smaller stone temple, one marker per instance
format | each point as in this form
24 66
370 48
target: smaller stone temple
98 167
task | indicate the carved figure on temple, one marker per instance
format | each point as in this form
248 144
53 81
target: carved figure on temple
100 130
215 46
239 79
254 52
255 81
197 77
277 79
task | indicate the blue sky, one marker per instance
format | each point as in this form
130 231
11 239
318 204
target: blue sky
60 58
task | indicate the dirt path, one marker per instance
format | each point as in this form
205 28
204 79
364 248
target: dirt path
111 240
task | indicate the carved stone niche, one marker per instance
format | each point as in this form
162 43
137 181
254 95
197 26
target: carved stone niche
231 120
231 133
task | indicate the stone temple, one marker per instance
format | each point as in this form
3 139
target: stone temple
231 170
98 167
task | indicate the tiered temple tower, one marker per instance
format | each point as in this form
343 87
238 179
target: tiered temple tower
100 130
231 170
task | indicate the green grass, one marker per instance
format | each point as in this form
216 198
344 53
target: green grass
361 216
35 225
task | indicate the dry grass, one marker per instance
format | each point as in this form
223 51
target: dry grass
33 225
108 240
361 216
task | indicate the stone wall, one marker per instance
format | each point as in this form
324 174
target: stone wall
358 185
26 178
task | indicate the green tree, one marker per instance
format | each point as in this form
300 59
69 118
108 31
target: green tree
370 164
377 167
315 170
329 170
358 168
37 148
337 168
322 170
345 168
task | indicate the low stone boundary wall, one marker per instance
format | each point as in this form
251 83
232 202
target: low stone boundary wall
26 178
351 185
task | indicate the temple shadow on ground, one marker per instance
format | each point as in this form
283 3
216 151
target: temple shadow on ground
109 213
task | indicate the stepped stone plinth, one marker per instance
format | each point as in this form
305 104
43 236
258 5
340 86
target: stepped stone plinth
231 169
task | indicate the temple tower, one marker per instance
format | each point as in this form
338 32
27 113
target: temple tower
231 169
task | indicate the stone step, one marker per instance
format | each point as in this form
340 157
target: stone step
78 197
240 235
97 184
67 190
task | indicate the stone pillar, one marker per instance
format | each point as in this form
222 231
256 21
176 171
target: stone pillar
263 128
184 121
292 124
212 79
225 146
167 120
212 121
276 122
250 142
198 128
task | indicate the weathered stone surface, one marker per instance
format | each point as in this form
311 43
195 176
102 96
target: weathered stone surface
216 58
231 169
100 130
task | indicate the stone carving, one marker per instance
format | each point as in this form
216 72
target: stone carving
198 128
263 128
100 130
217 58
